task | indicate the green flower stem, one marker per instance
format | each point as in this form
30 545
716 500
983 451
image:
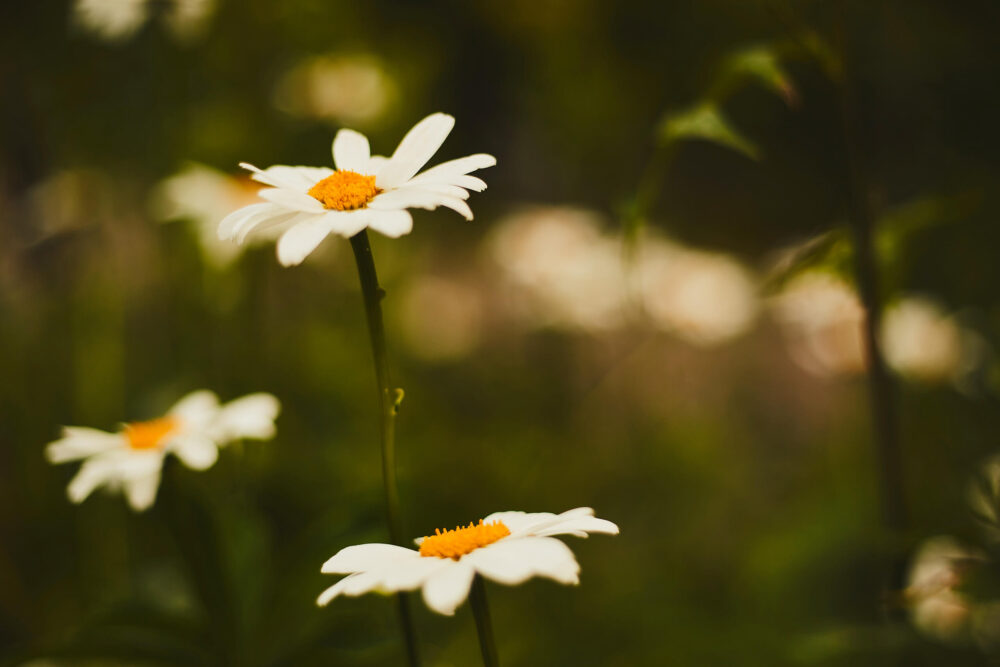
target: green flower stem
388 401
882 394
484 628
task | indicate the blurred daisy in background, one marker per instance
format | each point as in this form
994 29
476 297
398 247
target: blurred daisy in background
441 319
566 273
937 607
822 318
131 459
118 20
342 89
701 297
306 204
507 547
924 343
203 196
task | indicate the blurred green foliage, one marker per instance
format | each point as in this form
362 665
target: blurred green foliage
744 487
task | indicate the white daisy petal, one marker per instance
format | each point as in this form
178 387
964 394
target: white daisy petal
93 473
375 162
290 199
248 417
456 205
262 225
365 557
300 240
298 179
355 584
391 223
348 223
351 151
445 189
141 490
447 589
405 198
459 167
79 443
197 409
197 451
580 527
513 561
231 224
416 148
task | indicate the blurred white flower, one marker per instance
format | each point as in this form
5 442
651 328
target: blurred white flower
132 458
567 273
188 19
344 89
507 547
703 298
117 20
204 196
937 608
111 20
822 319
441 319
923 343
306 204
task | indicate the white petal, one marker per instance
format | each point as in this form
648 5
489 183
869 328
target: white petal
78 442
347 223
362 557
445 189
355 584
457 205
580 527
196 450
300 240
391 223
375 163
263 223
405 198
513 561
253 213
351 151
299 179
93 473
459 167
447 589
292 200
196 410
141 491
416 148
248 417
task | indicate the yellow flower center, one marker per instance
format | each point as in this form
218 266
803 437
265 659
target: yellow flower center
345 190
149 435
462 540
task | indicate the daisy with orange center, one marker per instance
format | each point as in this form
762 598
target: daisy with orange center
131 459
303 205
507 547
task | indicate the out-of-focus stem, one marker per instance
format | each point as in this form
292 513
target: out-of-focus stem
387 404
880 384
484 627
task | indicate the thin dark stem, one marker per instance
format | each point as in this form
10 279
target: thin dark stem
880 384
484 628
388 400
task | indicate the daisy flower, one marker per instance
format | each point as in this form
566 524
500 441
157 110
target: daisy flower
132 458
507 547
305 204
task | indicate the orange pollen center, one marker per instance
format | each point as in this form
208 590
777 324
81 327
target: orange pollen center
149 435
345 190
462 540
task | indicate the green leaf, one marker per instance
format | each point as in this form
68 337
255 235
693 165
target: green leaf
706 122
759 64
